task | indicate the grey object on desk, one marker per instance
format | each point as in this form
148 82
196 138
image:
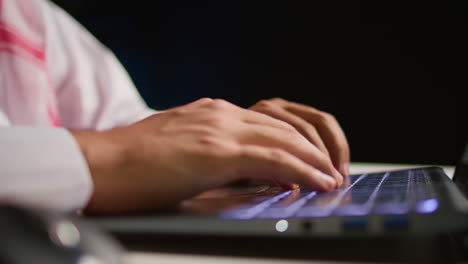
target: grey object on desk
32 236
460 176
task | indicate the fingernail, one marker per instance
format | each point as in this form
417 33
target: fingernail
328 180
294 186
286 186
339 178
344 168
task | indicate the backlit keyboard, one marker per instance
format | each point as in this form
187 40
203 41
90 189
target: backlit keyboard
390 193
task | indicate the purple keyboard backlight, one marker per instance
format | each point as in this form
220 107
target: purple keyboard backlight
391 193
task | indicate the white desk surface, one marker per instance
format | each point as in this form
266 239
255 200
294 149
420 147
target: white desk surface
166 258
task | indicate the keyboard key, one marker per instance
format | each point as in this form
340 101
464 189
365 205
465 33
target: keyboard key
288 206
248 212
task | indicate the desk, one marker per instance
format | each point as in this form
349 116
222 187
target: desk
166 258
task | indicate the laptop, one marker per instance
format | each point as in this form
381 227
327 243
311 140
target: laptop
416 214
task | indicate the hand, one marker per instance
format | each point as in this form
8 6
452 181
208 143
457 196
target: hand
179 153
320 128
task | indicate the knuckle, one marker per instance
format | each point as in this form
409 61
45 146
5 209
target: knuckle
217 105
273 102
323 117
264 104
205 100
277 100
330 117
220 103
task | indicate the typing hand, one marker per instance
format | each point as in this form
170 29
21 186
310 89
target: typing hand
320 128
178 153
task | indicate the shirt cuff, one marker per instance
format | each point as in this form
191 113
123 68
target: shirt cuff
43 168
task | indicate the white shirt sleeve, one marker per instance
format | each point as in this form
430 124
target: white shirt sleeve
43 166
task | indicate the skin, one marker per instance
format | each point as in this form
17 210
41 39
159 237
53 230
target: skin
181 152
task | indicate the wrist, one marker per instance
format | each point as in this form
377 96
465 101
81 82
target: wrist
104 155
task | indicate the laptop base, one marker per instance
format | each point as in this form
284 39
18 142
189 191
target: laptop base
423 249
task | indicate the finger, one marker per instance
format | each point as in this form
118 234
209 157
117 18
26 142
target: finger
258 160
304 127
267 179
330 132
290 141
285 185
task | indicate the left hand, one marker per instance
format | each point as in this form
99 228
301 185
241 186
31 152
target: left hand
320 128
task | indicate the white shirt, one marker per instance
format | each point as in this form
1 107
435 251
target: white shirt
54 77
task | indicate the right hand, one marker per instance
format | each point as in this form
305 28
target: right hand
178 153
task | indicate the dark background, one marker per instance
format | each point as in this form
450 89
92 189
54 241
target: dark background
392 72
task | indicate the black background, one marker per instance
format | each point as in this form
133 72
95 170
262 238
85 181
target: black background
393 73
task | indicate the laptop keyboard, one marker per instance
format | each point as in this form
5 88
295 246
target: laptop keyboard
390 193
